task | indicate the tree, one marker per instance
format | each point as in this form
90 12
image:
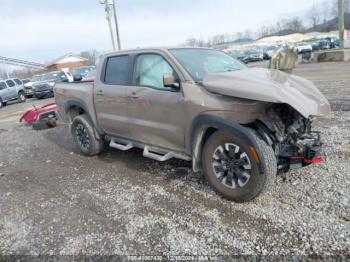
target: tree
264 31
295 25
91 55
314 15
325 10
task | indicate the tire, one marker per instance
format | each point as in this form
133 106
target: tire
21 97
247 182
84 137
1 103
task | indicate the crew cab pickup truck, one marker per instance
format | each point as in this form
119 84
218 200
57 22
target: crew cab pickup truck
238 125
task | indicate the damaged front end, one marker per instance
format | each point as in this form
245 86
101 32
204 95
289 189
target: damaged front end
291 136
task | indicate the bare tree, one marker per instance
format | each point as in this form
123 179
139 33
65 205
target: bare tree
248 34
91 55
347 6
314 15
239 35
264 31
326 11
295 25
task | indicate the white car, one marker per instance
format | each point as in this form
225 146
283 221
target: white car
303 47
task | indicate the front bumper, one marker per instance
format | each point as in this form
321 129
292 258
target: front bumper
29 92
42 93
308 150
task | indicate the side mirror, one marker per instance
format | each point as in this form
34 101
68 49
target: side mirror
170 81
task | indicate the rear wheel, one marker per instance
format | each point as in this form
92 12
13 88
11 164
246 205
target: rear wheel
21 97
231 169
84 137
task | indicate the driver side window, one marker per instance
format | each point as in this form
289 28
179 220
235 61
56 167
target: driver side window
150 69
3 85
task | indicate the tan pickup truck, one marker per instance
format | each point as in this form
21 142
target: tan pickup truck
239 125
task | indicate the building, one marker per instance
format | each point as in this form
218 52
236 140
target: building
67 62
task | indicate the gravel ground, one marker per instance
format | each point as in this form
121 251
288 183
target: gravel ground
54 201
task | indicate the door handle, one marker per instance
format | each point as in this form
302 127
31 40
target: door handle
99 93
133 95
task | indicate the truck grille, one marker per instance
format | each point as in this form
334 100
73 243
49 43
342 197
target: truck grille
43 87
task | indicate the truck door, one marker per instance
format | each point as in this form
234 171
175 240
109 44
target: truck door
155 112
12 91
110 95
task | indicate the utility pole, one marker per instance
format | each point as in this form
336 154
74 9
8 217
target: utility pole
341 26
116 24
108 18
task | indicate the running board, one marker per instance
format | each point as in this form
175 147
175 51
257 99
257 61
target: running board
155 153
160 155
118 145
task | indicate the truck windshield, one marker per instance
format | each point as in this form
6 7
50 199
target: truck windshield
50 76
201 62
35 78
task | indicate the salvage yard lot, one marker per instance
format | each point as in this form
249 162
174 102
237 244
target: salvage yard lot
55 201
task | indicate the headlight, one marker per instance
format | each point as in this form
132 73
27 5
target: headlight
52 84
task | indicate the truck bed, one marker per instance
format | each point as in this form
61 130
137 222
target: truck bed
77 92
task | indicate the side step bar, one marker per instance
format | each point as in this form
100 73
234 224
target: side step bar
119 145
160 155
155 153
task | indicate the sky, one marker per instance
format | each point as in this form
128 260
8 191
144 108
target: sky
42 30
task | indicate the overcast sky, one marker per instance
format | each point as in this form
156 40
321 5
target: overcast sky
41 30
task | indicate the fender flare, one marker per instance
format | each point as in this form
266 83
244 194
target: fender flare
80 103
201 124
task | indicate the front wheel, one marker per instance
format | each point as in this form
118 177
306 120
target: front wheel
21 97
231 169
84 137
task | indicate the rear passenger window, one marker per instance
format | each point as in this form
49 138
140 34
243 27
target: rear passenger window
10 83
3 85
18 82
117 70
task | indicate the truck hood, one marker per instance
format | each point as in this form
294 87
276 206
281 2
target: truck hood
270 86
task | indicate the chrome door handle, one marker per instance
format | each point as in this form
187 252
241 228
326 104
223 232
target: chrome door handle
99 93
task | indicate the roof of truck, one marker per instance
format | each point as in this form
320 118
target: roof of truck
160 48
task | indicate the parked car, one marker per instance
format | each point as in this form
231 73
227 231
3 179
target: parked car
303 47
28 87
237 124
26 80
11 89
82 72
254 56
239 55
269 51
44 88
324 44
336 43
315 45
332 41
